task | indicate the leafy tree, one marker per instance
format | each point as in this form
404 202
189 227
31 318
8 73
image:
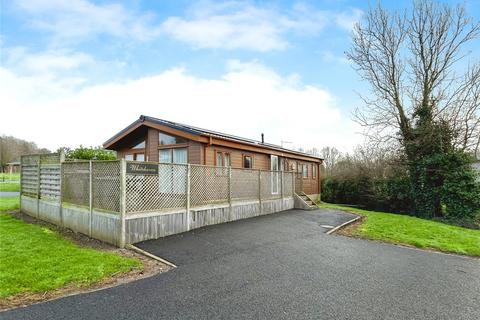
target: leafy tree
84 153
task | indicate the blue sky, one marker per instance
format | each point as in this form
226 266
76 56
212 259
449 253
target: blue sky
88 68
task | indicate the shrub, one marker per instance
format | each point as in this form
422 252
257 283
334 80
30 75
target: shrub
83 153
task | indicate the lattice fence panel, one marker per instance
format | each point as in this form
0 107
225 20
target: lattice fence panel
208 185
50 181
106 185
244 184
167 190
270 184
29 173
76 183
288 184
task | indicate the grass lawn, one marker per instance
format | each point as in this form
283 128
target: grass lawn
9 186
36 259
9 177
421 233
9 203
10 182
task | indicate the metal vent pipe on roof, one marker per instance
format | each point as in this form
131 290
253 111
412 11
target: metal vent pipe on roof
262 138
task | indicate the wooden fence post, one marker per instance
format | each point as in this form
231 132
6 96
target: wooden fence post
281 182
62 160
123 200
21 183
90 196
188 197
229 185
293 183
260 189
229 193
38 185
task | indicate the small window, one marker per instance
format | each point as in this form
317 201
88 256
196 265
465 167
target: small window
247 162
129 157
226 160
293 166
140 145
218 159
140 157
165 139
305 171
314 171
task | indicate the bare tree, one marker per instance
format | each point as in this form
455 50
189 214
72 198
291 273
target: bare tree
425 94
412 61
12 148
330 157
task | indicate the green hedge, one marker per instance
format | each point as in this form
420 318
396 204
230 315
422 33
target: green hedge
391 194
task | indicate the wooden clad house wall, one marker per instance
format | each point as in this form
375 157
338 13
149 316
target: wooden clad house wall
152 145
260 161
205 154
195 152
310 184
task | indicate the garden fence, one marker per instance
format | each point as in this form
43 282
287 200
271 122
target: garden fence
128 188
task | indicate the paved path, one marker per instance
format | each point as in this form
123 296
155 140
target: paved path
6 194
283 266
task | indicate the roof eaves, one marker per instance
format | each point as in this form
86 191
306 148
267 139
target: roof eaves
122 132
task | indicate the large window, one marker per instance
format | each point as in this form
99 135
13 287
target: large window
218 160
314 171
165 139
247 162
180 155
173 155
140 145
305 171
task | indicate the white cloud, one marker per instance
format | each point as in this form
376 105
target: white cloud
79 19
215 25
247 100
230 26
241 25
21 60
348 19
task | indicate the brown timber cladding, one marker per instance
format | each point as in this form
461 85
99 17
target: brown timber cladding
205 154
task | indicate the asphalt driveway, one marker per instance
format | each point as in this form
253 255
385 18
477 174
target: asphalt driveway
283 266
